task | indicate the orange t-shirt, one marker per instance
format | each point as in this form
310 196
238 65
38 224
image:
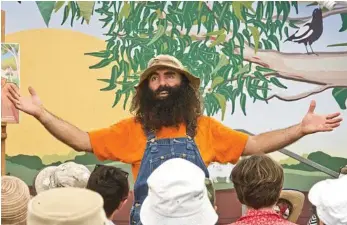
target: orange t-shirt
125 141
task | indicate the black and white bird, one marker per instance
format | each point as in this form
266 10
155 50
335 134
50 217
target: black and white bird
309 32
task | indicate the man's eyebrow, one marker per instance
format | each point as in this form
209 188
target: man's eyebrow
170 72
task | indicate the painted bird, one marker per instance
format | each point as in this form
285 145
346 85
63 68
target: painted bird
309 32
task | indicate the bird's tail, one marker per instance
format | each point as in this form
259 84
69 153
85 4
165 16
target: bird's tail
288 39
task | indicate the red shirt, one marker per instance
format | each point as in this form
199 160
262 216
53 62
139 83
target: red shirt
263 217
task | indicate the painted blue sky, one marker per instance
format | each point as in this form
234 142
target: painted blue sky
260 117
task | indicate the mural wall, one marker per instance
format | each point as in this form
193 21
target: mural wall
261 63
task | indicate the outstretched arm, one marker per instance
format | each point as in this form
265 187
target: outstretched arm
62 130
278 139
65 132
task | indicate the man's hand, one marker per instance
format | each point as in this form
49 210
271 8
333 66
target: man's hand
313 123
278 139
31 105
62 130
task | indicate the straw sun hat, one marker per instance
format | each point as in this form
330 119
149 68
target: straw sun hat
296 200
171 62
15 196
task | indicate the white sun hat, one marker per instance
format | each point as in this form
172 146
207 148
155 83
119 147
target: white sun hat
68 174
177 195
330 198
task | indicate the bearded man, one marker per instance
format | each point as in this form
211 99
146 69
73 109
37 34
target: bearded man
168 123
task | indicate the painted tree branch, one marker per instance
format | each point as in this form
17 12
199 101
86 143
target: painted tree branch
328 68
302 20
301 95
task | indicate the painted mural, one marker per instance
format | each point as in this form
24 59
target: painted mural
261 63
10 68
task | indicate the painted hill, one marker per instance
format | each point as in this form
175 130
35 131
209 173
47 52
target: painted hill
291 161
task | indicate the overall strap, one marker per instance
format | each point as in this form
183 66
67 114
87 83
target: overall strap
150 134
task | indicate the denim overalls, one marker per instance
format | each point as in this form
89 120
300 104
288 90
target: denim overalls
158 151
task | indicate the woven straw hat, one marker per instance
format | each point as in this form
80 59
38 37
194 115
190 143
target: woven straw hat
171 62
297 199
67 206
68 174
15 196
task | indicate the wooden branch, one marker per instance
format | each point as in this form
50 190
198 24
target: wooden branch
302 20
301 95
249 75
326 68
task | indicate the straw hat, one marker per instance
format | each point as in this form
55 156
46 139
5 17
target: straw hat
172 63
68 174
296 198
67 206
15 196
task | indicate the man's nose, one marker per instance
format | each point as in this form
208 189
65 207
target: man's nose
162 81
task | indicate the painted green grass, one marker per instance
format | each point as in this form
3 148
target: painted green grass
294 179
22 172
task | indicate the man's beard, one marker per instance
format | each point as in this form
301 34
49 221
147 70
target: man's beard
169 111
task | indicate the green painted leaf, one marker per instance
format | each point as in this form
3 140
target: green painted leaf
260 76
124 13
66 13
236 6
160 32
269 9
236 25
117 98
267 44
222 102
338 45
101 64
241 40
256 36
101 54
222 62
274 40
216 81
295 4
276 82
344 22
242 70
127 95
112 81
259 24
264 69
46 10
260 10
286 31
265 89
340 95
220 39
86 9
58 5
248 5
243 99
234 94
217 32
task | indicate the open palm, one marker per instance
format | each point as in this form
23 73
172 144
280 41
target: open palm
313 123
31 105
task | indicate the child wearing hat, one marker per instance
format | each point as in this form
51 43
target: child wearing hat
15 196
